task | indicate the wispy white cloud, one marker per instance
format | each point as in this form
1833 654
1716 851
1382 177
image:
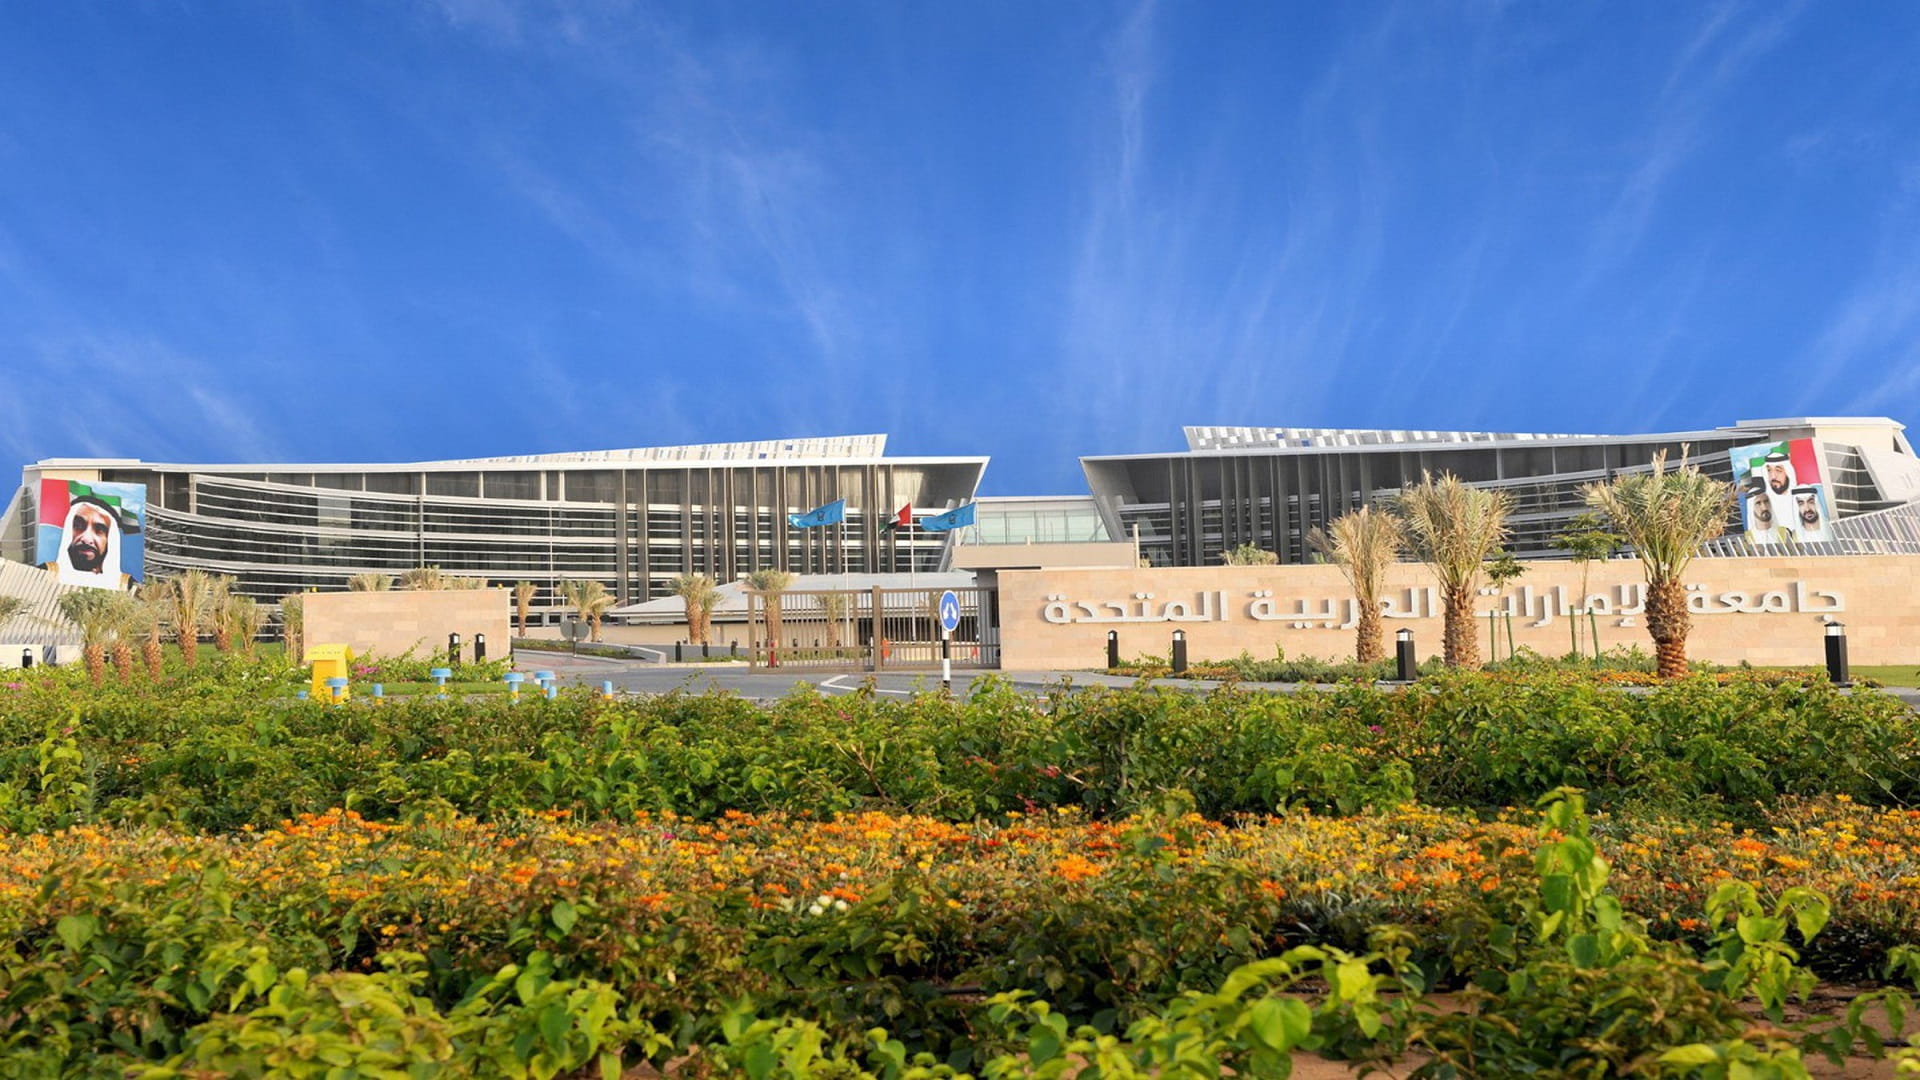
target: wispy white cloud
711 189
1211 292
1700 79
94 394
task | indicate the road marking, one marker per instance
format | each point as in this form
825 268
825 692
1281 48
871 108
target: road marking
834 684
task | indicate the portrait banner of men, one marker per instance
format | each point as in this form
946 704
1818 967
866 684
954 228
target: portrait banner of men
1782 497
1809 513
92 534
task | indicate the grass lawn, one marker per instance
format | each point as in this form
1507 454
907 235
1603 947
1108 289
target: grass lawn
1902 675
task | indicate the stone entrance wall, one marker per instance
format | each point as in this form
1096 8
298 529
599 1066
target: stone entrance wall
390 623
1764 611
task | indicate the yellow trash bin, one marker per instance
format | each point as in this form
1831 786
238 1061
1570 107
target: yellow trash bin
329 662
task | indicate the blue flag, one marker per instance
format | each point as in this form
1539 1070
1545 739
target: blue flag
956 518
834 513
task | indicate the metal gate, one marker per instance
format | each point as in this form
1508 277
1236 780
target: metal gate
869 629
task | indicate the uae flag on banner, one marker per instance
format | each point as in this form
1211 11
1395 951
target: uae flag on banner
900 520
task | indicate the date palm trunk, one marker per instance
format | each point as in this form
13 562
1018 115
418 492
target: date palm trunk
1462 645
123 660
151 652
1668 625
96 657
1367 647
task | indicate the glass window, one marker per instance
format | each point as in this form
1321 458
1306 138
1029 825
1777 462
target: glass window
464 485
394 483
513 485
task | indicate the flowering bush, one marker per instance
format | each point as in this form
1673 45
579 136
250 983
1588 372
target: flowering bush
863 920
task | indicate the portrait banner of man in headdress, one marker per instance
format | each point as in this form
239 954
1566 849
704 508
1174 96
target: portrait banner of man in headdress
92 534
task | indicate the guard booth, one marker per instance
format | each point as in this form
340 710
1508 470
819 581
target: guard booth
329 662
876 629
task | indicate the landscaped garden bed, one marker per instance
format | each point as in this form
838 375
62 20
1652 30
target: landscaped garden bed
202 874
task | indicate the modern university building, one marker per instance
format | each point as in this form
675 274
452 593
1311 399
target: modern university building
631 519
1271 487
1053 569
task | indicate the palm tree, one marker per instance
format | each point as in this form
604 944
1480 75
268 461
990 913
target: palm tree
371 581
836 606
1250 555
771 583
293 617
1363 544
699 594
708 601
97 613
241 617
1454 528
424 579
217 615
130 622
1665 516
523 593
11 606
591 599
189 600
152 624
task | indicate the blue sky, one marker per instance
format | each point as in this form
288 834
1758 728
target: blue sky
342 231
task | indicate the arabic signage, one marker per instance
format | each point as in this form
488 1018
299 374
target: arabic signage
1536 607
1764 610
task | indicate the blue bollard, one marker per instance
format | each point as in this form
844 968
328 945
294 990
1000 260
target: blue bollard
440 677
337 687
606 689
300 695
513 680
379 693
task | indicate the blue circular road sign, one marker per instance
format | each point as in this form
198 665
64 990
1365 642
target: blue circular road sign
949 611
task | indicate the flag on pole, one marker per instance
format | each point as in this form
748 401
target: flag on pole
901 518
956 518
834 513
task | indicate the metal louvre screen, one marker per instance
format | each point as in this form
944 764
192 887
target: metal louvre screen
868 629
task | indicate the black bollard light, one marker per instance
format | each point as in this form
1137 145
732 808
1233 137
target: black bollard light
453 650
1179 652
1403 653
26 657
704 653
733 650
1837 672
479 648
1113 649
677 657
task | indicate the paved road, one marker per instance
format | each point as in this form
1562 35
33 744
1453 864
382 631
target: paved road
634 677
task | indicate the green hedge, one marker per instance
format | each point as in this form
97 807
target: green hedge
230 748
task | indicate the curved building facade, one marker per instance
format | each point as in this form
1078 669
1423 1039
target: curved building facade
1271 487
631 519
